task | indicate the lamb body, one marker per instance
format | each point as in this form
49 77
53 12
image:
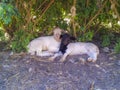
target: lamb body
82 48
69 48
46 43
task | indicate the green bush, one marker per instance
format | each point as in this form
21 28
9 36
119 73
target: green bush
117 46
20 41
106 39
9 17
2 37
38 17
7 13
88 36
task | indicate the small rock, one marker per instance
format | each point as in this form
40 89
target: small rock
11 53
106 49
72 60
118 62
30 69
97 89
112 50
27 61
112 58
6 66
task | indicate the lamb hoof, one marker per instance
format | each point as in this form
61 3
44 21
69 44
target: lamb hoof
93 60
90 59
83 61
62 60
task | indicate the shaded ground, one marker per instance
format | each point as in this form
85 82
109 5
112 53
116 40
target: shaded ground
25 72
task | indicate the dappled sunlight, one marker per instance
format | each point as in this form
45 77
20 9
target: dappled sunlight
118 23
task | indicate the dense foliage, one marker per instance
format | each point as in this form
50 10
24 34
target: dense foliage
23 20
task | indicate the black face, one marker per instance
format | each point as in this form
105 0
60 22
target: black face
65 40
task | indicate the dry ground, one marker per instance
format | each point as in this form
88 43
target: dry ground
25 72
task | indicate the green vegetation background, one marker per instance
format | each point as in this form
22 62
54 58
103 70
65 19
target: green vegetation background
23 20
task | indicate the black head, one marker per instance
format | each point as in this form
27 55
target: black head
65 40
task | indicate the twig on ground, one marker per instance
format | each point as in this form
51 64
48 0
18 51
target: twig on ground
92 86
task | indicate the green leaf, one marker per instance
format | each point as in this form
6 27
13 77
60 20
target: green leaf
7 20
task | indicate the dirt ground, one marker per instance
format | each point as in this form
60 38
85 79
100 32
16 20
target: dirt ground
25 72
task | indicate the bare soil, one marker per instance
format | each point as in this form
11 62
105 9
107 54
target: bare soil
25 72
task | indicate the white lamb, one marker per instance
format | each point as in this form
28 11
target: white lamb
81 48
46 45
68 48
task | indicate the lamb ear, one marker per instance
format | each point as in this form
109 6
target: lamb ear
72 38
61 36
